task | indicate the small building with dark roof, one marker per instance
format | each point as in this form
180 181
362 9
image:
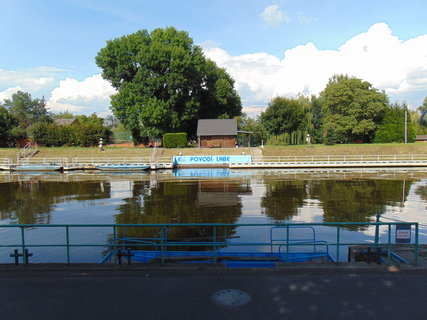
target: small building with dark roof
64 122
421 138
217 133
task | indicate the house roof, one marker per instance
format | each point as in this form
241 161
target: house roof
64 122
217 127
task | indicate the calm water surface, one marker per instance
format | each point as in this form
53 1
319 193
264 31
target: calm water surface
205 196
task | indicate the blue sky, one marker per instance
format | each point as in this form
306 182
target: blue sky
48 47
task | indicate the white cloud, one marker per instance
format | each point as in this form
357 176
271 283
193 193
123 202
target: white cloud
7 94
31 80
273 16
87 96
396 66
253 111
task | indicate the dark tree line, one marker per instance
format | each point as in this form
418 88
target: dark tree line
24 118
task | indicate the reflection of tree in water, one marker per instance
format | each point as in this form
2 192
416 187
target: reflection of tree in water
31 202
359 200
283 198
422 192
341 200
186 202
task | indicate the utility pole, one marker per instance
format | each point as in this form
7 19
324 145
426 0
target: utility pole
406 126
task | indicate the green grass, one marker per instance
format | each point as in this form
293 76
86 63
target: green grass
347 149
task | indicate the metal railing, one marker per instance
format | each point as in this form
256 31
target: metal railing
46 161
110 160
5 161
26 151
344 158
165 237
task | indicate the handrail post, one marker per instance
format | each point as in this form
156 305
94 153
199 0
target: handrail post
215 258
24 256
67 235
163 242
389 245
416 243
287 242
338 244
115 239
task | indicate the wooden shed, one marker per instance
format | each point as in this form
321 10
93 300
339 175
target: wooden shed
217 133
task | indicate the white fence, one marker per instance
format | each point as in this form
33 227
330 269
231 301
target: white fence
50 161
344 158
5 161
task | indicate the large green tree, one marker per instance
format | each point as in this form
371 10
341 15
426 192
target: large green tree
353 110
6 125
287 121
164 83
26 110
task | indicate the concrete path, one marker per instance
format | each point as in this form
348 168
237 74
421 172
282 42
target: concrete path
205 294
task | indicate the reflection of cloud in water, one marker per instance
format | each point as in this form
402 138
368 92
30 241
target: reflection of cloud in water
251 204
311 212
121 189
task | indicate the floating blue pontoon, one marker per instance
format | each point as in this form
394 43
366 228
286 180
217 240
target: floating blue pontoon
35 167
280 249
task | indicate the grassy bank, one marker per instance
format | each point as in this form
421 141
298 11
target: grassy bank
348 149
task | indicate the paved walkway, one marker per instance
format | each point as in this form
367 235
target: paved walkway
212 293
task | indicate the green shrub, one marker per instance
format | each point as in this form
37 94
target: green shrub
175 140
80 134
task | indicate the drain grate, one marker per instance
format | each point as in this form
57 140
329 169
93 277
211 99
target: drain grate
231 297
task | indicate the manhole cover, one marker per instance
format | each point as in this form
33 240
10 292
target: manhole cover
231 297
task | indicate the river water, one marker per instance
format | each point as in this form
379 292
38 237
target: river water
204 196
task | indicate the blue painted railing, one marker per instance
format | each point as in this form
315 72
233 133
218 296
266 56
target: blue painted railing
219 239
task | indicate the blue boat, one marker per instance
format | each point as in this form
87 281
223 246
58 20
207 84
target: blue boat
35 167
123 167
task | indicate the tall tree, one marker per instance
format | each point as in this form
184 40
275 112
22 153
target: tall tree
26 110
283 115
164 83
6 124
287 121
353 109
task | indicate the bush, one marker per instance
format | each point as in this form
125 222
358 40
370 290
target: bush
175 140
81 135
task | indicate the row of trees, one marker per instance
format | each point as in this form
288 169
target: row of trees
165 84
348 110
23 118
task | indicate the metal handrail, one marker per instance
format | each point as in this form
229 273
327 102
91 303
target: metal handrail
118 160
344 158
5 160
43 161
216 242
110 160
